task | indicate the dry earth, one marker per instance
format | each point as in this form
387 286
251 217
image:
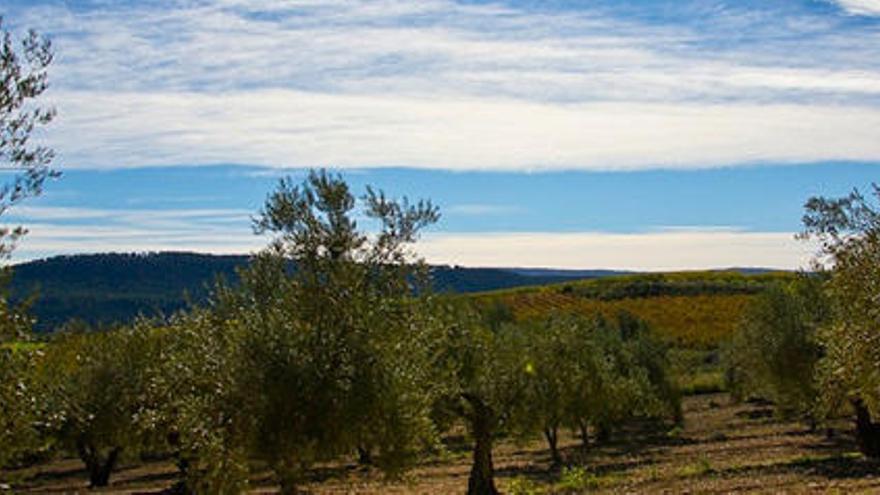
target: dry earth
723 448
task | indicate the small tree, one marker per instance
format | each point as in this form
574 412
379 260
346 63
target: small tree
552 379
618 372
849 230
339 316
19 432
91 386
775 350
23 78
194 401
487 369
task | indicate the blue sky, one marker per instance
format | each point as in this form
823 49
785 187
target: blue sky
649 134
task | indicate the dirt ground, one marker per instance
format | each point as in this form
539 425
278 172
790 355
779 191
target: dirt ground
723 448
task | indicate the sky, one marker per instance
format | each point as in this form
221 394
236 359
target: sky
639 134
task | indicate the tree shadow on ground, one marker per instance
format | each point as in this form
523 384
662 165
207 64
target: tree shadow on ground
838 466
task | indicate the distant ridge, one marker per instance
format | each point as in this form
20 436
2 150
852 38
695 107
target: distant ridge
117 287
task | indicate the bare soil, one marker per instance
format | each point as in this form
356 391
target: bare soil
723 448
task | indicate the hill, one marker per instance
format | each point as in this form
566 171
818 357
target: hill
694 309
112 288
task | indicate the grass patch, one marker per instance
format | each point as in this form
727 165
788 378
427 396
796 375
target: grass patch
702 382
701 467
579 479
521 485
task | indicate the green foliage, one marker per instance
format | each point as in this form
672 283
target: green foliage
92 386
19 395
849 229
364 366
521 485
486 376
193 401
672 284
19 402
323 347
616 372
23 78
775 352
569 371
580 480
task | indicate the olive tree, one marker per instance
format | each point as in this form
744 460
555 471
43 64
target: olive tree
19 401
324 347
485 367
775 350
616 371
23 78
849 231
339 341
193 400
552 379
91 386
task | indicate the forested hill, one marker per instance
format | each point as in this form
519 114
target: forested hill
109 288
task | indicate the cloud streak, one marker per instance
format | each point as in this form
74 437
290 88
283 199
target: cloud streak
442 84
283 128
653 251
649 251
861 7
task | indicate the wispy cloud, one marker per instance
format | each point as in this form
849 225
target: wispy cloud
442 84
861 7
653 251
295 129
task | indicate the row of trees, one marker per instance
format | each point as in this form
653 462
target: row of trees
348 352
813 347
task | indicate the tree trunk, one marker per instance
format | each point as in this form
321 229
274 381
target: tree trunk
867 432
98 466
482 477
365 456
288 486
584 432
552 436
603 432
288 477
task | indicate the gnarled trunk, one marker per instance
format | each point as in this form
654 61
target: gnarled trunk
99 466
867 432
288 486
365 455
289 476
482 478
603 432
551 433
584 433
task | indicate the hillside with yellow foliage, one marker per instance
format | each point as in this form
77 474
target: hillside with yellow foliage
693 309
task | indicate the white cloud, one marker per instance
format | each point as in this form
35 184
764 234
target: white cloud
436 83
284 128
49 239
668 249
652 251
861 7
144 217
